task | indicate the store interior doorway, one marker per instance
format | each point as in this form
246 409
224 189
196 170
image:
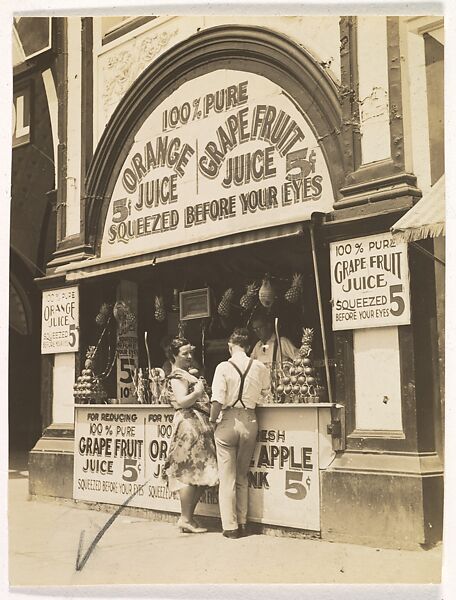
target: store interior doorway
24 378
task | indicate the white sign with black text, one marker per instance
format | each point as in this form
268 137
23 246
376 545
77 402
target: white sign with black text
226 152
121 451
60 321
369 282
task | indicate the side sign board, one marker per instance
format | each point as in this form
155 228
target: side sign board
369 282
60 320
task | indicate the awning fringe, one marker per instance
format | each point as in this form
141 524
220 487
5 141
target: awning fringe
419 233
425 219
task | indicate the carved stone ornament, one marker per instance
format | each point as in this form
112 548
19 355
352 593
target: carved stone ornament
121 68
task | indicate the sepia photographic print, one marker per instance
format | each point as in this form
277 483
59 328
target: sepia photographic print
226 357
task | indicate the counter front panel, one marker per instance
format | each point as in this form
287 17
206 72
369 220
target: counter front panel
120 452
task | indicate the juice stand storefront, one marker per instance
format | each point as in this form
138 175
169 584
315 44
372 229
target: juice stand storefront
227 159
211 196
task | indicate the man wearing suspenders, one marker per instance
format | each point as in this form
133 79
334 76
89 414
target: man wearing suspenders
237 388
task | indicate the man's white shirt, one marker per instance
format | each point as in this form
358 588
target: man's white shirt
265 352
227 381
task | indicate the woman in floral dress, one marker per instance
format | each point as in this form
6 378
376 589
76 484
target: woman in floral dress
191 464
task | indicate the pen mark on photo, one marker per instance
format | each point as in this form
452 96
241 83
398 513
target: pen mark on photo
80 562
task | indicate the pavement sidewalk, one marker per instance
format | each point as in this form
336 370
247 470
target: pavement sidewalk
44 538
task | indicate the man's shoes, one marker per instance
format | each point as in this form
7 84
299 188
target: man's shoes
231 533
242 530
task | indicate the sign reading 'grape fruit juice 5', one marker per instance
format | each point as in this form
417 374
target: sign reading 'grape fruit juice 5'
369 282
226 152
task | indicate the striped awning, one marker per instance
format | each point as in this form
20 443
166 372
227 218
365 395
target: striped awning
101 266
426 218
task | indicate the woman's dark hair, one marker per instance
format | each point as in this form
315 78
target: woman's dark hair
240 337
174 346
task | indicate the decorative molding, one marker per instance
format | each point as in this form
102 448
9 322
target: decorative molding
48 282
377 433
403 464
382 171
127 26
122 67
376 190
424 24
365 219
73 251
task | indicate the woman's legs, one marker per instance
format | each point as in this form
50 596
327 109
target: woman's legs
186 495
189 498
199 491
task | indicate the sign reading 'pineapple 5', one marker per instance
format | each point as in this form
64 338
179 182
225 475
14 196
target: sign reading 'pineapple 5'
370 282
226 152
60 321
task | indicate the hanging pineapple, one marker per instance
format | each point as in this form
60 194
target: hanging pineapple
103 315
125 317
294 294
224 306
119 311
160 311
248 299
267 293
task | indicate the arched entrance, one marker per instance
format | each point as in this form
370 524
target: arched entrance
257 51
24 368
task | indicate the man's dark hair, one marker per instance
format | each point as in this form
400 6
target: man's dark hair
240 337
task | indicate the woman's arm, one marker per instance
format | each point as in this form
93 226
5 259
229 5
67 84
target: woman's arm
216 407
218 392
182 397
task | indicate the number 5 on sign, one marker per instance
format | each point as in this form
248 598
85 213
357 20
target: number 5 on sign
396 298
130 470
127 365
125 383
294 489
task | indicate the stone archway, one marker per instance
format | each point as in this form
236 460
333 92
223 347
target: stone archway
250 49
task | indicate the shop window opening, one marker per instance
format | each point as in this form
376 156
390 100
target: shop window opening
273 279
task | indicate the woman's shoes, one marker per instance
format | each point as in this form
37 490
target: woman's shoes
186 527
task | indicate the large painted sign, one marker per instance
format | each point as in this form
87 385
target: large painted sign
369 282
60 320
226 152
122 450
